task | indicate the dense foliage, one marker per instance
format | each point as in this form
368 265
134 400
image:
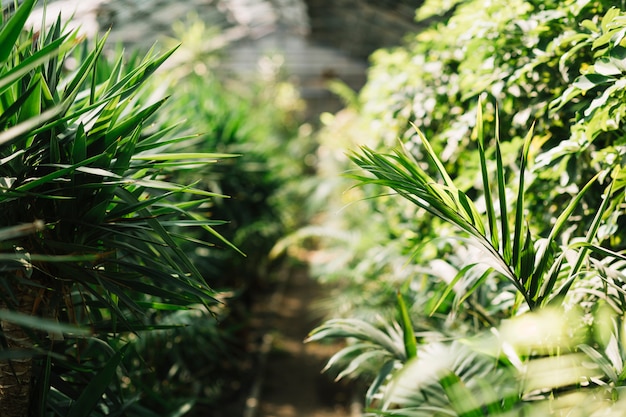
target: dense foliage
106 214
478 262
495 285
207 366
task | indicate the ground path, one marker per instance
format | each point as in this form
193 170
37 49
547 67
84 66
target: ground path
290 383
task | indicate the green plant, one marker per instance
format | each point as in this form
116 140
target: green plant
544 273
497 237
81 165
258 118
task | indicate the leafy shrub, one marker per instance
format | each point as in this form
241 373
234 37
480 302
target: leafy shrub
545 223
258 118
92 224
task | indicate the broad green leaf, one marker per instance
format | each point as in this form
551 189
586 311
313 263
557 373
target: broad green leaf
606 66
588 81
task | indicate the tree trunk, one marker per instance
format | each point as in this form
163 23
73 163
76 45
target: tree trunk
16 372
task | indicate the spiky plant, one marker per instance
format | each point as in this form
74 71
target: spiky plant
550 274
85 181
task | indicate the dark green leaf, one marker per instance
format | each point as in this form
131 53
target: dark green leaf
94 390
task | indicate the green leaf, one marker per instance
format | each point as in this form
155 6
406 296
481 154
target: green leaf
461 399
75 85
518 231
28 127
205 157
546 254
527 266
602 362
410 344
12 29
382 375
588 81
450 287
504 215
433 157
590 236
358 329
606 66
162 306
491 214
91 395
39 323
79 146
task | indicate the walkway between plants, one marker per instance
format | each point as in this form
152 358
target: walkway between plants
290 382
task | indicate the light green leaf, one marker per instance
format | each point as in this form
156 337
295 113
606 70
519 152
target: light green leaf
410 344
606 66
39 323
13 27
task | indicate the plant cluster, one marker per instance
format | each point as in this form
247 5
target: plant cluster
494 286
207 364
100 199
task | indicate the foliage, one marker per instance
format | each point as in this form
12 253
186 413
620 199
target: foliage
92 223
258 118
497 236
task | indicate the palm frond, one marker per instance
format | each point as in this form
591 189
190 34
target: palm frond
511 248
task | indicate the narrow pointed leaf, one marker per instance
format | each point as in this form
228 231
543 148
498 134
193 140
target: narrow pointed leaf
491 214
13 27
519 209
410 344
94 390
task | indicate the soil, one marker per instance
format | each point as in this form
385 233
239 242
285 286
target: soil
290 382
